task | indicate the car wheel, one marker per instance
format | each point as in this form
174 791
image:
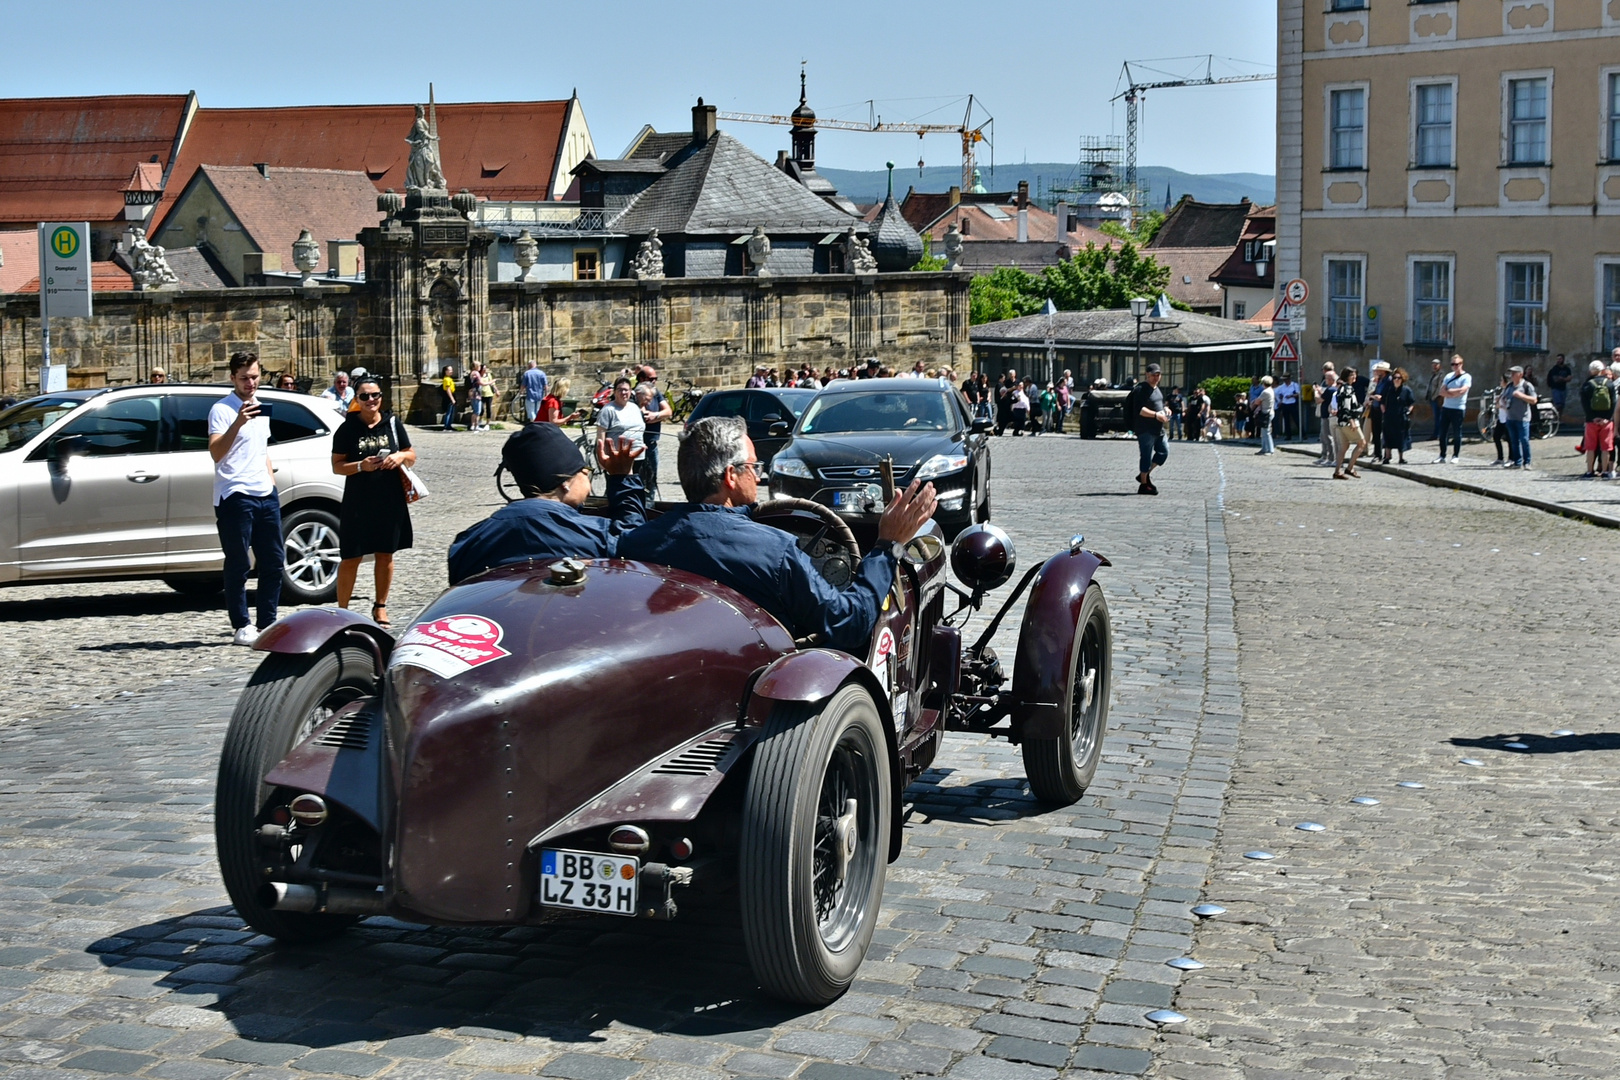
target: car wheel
982 513
815 845
287 699
310 564
196 584
1061 768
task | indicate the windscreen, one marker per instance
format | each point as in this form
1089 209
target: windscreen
893 411
23 421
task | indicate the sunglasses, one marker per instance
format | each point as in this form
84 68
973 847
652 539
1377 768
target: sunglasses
369 397
755 467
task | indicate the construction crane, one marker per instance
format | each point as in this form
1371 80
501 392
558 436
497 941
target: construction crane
971 135
1135 90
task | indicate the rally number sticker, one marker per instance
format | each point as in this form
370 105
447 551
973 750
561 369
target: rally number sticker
451 646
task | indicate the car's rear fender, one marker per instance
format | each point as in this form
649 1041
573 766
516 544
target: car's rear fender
311 630
342 761
812 675
1040 686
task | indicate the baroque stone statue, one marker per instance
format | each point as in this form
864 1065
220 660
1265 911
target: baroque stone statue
858 258
149 264
423 173
953 247
759 251
649 260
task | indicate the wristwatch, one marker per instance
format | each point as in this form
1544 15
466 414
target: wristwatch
894 548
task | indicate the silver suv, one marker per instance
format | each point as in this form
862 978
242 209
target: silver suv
99 485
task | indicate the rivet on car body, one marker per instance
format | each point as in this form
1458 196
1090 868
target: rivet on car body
308 810
629 840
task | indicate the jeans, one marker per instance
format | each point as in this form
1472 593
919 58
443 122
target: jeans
1287 420
1266 445
252 521
647 467
531 408
1439 417
1451 423
1154 449
449 412
477 409
1518 432
1558 395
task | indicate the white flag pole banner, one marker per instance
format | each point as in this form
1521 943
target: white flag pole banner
64 288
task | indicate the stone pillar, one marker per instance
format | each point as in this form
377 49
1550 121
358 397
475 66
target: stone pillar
475 338
759 319
860 318
649 320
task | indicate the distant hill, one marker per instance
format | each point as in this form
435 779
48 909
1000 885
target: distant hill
869 186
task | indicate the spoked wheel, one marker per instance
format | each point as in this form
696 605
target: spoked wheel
312 554
1061 768
587 446
815 845
1547 423
285 701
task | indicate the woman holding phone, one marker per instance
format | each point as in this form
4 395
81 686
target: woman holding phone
367 451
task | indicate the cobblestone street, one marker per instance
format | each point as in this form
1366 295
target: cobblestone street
1450 930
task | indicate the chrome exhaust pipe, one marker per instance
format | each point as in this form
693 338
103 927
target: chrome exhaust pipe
329 900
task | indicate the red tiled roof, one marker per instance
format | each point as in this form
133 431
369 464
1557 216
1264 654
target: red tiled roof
105 276
980 224
497 150
1190 268
148 176
331 204
68 158
20 250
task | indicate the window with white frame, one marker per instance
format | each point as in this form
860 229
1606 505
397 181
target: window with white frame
1524 305
1345 294
1348 121
1240 309
1431 302
1527 121
1612 99
1611 306
1432 144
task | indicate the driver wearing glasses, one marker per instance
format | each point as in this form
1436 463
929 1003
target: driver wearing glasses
714 535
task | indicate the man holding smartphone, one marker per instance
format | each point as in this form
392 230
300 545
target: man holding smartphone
247 510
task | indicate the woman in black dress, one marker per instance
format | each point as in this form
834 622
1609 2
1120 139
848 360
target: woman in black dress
1397 406
367 451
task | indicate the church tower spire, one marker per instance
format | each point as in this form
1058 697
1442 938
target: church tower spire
804 128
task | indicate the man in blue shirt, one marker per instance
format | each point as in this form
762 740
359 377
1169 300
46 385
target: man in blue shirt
546 523
534 384
715 536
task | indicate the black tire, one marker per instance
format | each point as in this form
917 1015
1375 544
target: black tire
981 515
287 698
196 584
808 910
310 556
1060 769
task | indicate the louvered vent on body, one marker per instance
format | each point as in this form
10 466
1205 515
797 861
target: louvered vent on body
352 732
696 761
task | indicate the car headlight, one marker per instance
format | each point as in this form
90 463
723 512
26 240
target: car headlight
791 466
941 465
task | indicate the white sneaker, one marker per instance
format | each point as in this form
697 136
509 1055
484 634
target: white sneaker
245 635
1453 461
1441 460
1609 475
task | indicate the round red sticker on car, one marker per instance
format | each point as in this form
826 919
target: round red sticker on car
451 646
885 646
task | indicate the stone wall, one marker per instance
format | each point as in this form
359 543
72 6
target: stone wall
711 330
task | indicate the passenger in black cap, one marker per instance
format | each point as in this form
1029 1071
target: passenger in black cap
546 523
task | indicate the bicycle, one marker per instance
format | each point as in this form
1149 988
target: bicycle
686 400
585 441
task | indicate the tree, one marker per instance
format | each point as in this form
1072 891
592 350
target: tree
929 261
1004 293
1141 233
1098 277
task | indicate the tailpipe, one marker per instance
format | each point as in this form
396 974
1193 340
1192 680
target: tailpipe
322 899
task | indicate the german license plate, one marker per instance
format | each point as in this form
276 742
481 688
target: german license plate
589 881
857 500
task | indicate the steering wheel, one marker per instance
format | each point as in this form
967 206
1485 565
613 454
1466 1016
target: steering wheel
840 529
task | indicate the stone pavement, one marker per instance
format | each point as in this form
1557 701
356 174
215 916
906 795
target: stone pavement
1014 942
1459 929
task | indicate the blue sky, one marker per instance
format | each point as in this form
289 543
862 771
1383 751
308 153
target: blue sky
1045 70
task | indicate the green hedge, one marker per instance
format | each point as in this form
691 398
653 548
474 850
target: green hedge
1223 389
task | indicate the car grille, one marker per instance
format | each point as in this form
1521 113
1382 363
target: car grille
351 732
865 474
699 760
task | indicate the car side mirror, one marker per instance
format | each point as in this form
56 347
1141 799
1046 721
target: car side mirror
981 425
983 557
779 429
69 446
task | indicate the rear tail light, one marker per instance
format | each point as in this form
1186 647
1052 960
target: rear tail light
681 849
308 810
629 840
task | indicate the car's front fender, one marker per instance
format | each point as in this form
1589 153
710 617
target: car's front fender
310 630
1040 687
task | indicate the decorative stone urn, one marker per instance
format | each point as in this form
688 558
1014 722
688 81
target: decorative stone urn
306 256
525 252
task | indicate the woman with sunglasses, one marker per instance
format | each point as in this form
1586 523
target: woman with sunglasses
367 451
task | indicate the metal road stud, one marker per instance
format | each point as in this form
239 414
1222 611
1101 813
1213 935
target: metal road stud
1469 761
1259 856
1184 963
1562 733
1516 746
1166 1016
1364 800
1208 911
1310 826
1409 784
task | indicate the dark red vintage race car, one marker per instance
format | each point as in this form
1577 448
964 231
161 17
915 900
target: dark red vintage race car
591 737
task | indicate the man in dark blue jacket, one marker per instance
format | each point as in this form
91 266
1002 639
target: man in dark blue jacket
546 523
713 535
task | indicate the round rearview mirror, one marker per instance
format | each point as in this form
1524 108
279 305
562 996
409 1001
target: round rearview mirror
983 557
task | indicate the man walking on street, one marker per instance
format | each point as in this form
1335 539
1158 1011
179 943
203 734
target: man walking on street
247 511
1433 396
1521 400
1325 391
534 384
1599 403
1453 404
1145 407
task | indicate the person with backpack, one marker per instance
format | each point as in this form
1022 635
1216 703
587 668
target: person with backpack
1348 442
1599 402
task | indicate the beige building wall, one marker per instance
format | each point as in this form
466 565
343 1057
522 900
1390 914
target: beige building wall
1482 215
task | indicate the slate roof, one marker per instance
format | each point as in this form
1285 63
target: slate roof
657 146
1194 224
69 158
1259 227
1116 327
724 188
193 267
330 203
1190 270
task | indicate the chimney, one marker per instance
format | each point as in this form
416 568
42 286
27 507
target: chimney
1023 224
1062 228
343 258
1023 194
255 264
954 195
703 122
263 167
782 160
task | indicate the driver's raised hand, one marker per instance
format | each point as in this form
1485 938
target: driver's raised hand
617 456
908 512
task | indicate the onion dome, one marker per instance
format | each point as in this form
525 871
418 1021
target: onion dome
804 115
895 244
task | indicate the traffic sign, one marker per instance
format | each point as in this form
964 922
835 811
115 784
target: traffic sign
64 269
1289 318
1371 324
1296 291
1284 351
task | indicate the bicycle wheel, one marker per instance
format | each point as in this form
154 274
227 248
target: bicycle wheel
586 443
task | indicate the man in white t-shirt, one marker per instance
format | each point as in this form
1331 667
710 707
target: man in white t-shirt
247 510
1453 406
340 391
622 418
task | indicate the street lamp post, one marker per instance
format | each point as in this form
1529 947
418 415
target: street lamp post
1140 306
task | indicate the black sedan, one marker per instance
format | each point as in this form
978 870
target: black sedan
922 426
770 414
